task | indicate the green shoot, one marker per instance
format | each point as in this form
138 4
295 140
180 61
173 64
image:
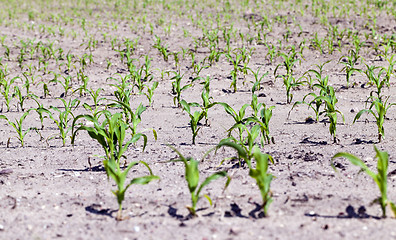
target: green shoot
380 178
192 178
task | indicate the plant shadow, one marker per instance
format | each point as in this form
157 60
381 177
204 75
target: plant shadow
257 212
96 209
173 213
308 141
98 168
235 211
358 141
349 213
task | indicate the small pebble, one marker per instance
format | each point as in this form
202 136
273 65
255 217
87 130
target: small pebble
1 227
136 228
311 213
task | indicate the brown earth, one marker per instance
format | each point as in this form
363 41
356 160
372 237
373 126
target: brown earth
50 191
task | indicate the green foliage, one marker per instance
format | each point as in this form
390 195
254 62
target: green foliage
194 117
192 178
380 178
64 117
350 62
330 100
111 134
17 125
259 172
290 82
177 88
381 108
5 90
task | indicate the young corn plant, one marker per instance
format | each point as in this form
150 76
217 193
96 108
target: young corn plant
258 79
258 173
381 108
234 73
150 92
289 62
17 125
194 117
65 116
290 82
376 79
350 62
380 178
192 178
111 134
133 119
262 120
330 110
5 90
206 99
317 75
239 117
315 104
21 98
177 88
95 96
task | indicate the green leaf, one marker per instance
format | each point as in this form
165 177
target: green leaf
211 178
355 161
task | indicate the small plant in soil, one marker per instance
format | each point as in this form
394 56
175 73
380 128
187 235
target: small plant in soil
330 110
192 178
381 108
194 117
111 134
259 172
17 125
177 88
380 178
350 62
65 116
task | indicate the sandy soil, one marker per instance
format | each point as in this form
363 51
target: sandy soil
50 191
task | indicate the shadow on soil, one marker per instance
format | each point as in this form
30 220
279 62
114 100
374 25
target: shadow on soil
96 209
350 212
98 168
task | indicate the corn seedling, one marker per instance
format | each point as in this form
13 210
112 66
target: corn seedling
349 61
95 109
262 120
238 117
376 79
133 119
381 108
64 118
206 99
330 110
192 178
5 90
163 49
290 82
318 75
66 84
257 79
289 61
259 173
177 88
380 178
111 134
194 117
17 125
21 98
150 92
